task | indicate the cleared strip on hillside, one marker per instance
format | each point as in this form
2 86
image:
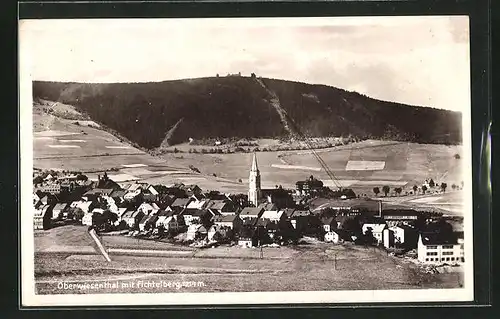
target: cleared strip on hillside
365 165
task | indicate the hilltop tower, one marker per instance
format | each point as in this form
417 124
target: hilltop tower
254 190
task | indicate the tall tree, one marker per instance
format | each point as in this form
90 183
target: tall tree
376 190
443 187
432 183
424 189
386 189
398 190
415 188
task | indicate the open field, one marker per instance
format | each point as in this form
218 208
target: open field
312 266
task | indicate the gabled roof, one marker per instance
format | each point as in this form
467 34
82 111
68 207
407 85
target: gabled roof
194 212
250 221
272 214
251 211
217 204
144 219
299 213
268 206
180 202
128 214
376 228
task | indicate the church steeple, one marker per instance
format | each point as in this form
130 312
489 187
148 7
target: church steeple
254 191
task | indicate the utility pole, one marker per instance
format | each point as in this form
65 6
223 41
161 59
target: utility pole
335 264
261 252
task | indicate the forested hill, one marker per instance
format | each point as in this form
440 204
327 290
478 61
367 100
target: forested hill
171 112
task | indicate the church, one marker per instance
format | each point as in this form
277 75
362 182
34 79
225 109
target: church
256 195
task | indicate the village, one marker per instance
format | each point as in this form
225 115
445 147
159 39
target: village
186 215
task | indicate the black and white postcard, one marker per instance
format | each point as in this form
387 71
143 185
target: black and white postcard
245 161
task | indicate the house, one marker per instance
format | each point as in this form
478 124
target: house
195 216
87 219
57 211
303 220
440 248
40 220
376 230
171 223
132 220
118 196
85 206
197 202
251 212
180 202
273 215
405 236
120 212
51 188
214 229
246 237
149 198
196 231
332 237
132 194
152 190
278 196
191 189
148 208
147 222
221 207
231 221
308 187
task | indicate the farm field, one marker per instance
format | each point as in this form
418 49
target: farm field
60 144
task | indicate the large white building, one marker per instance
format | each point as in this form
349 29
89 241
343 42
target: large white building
435 248
254 189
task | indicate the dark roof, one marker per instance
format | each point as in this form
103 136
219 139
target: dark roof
328 220
217 204
251 211
225 218
180 202
439 238
144 219
149 197
268 206
288 212
162 213
118 193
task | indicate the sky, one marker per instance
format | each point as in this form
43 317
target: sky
413 60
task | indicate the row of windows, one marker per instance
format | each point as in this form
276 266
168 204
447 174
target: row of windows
444 247
432 253
446 259
447 253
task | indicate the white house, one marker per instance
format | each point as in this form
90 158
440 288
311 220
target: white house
273 215
232 221
192 230
87 219
130 195
196 204
152 190
376 229
436 248
332 237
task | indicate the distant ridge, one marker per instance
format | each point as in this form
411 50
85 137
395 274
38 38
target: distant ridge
166 113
